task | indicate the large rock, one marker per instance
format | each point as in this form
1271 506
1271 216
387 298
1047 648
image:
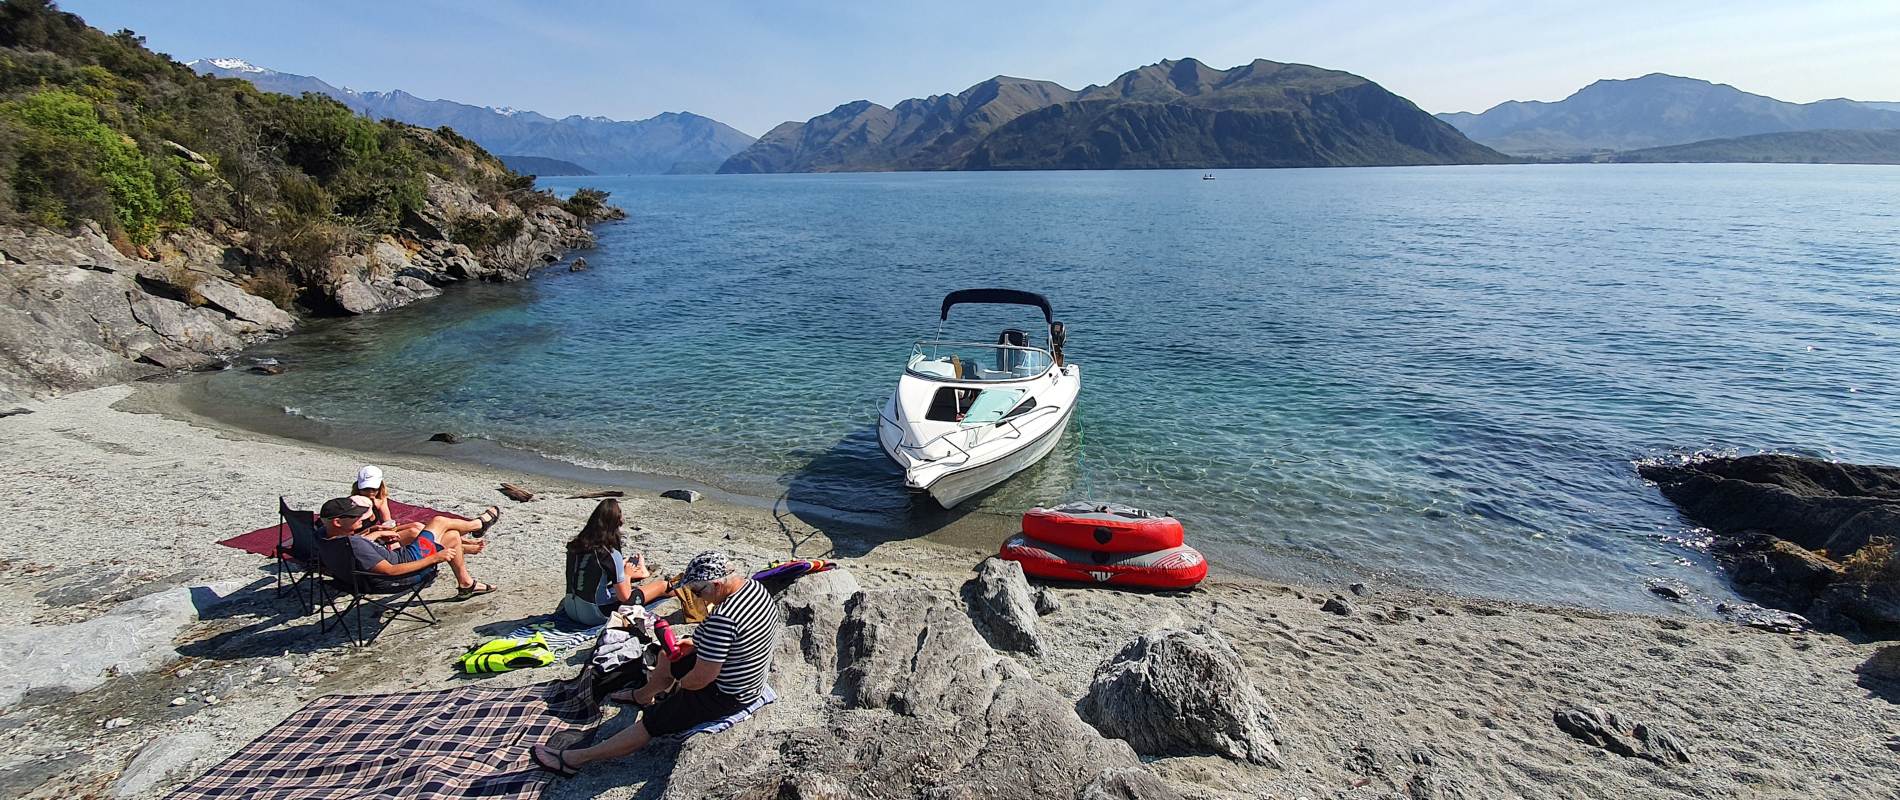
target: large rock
1003 607
1177 692
241 305
135 636
892 693
1786 525
161 759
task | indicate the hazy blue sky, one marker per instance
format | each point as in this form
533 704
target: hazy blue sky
756 64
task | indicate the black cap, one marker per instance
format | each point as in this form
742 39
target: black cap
342 508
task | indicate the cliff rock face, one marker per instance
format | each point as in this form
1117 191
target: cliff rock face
1179 114
75 313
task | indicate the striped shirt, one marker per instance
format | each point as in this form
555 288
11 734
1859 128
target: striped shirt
740 634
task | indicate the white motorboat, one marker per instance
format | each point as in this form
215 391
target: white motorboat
966 416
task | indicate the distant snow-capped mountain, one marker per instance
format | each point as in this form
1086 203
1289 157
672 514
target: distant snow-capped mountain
670 142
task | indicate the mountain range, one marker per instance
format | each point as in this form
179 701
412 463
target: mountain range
1656 110
1173 114
1794 147
670 142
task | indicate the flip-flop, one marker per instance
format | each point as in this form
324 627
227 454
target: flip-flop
487 518
475 590
560 767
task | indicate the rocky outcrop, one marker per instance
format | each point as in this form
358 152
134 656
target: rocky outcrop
892 693
1809 536
1605 729
1176 692
75 313
1003 607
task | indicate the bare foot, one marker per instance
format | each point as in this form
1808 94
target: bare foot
637 568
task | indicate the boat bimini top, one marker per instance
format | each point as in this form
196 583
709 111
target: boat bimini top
1015 356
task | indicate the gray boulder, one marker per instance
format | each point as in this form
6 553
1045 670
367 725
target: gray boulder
892 693
1178 692
1003 607
161 759
1884 664
1604 728
354 296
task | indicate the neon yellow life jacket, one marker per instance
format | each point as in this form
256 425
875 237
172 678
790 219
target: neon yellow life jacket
502 655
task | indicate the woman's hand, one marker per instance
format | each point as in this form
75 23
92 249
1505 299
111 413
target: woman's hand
636 567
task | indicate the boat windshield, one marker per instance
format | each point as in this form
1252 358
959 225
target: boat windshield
967 361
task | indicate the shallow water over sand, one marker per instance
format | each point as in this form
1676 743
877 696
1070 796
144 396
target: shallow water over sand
1443 373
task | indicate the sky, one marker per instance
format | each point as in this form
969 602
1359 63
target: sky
756 64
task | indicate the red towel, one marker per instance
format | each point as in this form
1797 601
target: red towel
263 541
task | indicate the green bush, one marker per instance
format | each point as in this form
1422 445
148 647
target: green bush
66 152
586 202
479 233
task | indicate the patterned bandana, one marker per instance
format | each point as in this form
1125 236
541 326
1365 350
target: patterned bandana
710 565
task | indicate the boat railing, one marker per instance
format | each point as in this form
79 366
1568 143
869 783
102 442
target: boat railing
921 451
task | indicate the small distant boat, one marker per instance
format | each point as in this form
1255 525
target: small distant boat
1208 177
967 416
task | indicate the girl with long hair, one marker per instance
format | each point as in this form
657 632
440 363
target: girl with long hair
599 576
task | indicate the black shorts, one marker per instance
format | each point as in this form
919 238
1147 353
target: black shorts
685 709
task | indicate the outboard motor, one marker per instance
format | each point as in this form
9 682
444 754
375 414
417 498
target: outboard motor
1006 360
1058 336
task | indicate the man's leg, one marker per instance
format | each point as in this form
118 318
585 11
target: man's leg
443 530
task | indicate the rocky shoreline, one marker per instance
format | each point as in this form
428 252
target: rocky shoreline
920 670
77 313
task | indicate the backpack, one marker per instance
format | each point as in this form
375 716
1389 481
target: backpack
583 585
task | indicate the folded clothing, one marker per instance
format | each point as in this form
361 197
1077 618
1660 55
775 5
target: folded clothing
766 697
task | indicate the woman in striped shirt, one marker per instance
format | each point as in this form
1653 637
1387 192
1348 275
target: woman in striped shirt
719 671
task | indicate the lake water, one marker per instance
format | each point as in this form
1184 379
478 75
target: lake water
1444 374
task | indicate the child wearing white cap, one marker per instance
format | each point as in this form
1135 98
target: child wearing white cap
371 486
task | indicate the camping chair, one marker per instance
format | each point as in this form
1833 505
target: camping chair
367 591
298 571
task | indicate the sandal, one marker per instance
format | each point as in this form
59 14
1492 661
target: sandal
476 589
487 518
559 767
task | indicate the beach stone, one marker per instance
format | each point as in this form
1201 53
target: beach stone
1767 619
1003 607
579 265
160 759
446 438
1179 692
1359 590
1668 590
687 495
1883 664
1338 605
268 369
14 412
1046 603
1604 728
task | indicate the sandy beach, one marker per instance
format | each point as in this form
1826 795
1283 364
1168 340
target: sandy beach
1405 694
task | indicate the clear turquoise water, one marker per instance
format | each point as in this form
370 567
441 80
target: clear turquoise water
1440 373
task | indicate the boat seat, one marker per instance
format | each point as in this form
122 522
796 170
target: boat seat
933 368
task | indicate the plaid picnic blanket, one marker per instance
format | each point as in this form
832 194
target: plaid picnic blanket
469 741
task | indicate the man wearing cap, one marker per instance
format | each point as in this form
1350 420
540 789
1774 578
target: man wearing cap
402 555
721 670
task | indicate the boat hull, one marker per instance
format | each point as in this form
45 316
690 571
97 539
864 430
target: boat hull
959 485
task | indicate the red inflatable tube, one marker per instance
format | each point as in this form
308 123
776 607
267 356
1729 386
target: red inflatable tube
1172 568
1105 532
